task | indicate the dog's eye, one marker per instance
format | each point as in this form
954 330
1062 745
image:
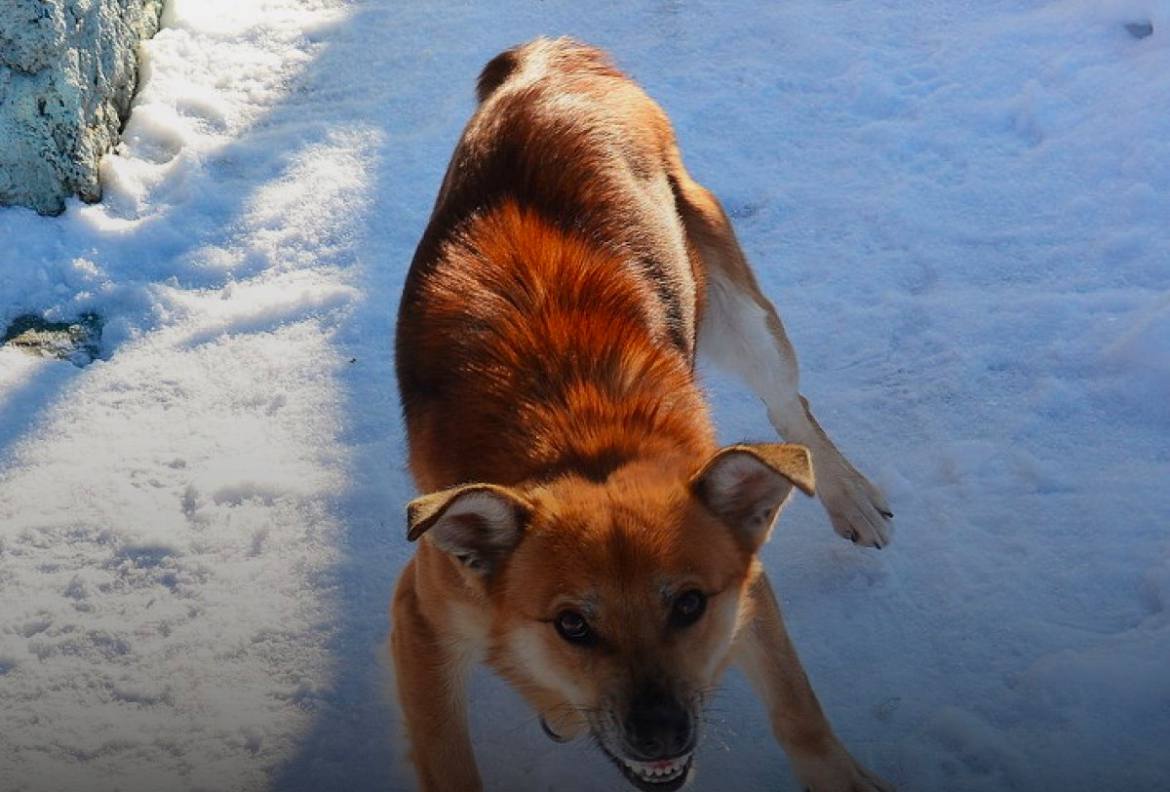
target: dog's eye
573 627
688 607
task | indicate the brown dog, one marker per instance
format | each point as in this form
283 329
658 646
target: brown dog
583 535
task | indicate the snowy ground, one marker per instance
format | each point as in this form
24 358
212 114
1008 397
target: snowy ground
962 210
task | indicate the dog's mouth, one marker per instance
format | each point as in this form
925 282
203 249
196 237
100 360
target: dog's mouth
664 775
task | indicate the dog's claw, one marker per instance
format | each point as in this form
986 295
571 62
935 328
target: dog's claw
857 509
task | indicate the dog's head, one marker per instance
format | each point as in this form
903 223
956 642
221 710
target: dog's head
615 604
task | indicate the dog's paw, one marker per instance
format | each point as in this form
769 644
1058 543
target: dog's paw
840 772
857 508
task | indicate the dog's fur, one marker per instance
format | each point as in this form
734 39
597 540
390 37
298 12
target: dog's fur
545 353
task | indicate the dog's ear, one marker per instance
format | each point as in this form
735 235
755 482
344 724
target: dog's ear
746 485
479 524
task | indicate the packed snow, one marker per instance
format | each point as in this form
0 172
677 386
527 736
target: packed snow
962 211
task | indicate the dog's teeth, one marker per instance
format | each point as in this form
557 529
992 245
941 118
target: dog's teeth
657 774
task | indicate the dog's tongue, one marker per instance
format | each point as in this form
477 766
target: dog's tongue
552 735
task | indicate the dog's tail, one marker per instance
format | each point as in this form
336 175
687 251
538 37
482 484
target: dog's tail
498 69
562 55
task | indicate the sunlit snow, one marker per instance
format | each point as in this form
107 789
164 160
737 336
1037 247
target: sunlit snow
962 211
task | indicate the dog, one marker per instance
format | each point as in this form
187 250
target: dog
580 531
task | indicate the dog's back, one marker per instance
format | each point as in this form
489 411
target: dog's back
553 274
562 131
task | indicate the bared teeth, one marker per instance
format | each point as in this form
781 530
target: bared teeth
658 773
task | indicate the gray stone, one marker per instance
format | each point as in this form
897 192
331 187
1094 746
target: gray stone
78 342
68 70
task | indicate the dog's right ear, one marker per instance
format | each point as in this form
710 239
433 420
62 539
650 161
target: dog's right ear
479 524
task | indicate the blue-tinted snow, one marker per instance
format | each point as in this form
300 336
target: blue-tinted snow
962 210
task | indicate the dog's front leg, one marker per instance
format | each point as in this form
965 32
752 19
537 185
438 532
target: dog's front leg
768 659
431 671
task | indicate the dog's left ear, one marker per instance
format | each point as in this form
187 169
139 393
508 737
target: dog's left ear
479 524
746 485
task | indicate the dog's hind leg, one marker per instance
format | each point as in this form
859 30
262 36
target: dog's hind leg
765 654
741 332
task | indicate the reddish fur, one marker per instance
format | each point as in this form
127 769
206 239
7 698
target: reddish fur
553 297
545 341
545 344
538 356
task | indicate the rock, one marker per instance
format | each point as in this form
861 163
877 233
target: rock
1140 30
68 70
78 342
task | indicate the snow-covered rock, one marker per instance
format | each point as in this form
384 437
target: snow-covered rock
68 70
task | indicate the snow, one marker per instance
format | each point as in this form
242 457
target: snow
961 211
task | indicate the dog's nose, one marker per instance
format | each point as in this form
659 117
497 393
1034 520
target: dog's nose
659 728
